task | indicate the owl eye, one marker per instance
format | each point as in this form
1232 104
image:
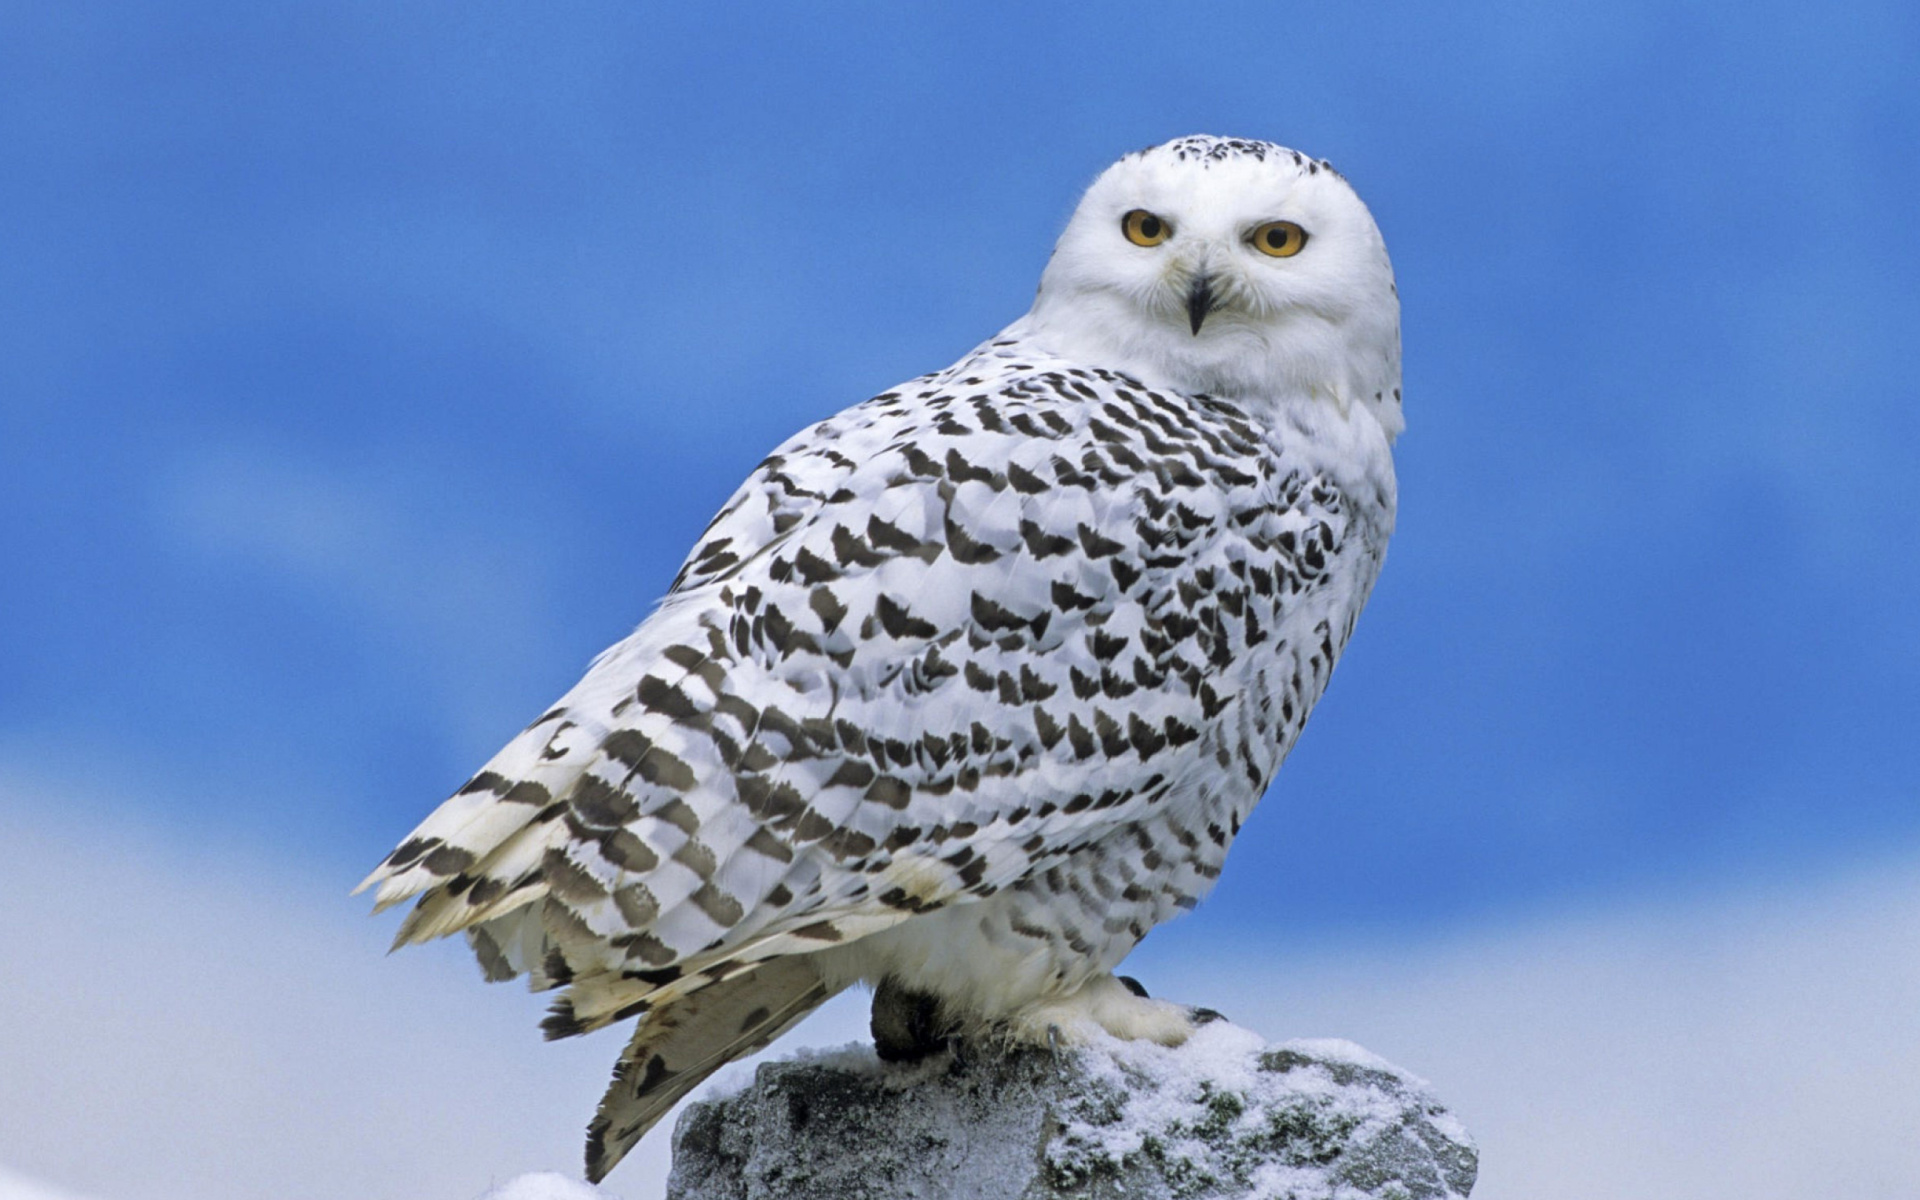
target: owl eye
1281 239
1144 229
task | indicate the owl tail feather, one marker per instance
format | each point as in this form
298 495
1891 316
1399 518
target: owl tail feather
679 1044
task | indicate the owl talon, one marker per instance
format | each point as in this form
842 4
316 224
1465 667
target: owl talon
1133 985
1205 1016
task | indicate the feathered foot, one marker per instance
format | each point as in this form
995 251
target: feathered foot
1116 1006
908 1025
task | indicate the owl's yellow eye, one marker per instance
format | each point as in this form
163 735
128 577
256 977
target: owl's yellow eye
1281 239
1144 229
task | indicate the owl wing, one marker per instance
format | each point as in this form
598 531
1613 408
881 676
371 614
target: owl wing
929 647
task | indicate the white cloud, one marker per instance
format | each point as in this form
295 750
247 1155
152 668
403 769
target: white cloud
196 1024
18 1187
1745 1047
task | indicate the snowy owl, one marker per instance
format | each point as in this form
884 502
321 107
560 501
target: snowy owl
968 687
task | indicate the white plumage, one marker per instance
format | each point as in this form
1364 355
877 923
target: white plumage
969 686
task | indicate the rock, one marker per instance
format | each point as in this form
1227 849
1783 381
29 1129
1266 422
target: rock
1226 1115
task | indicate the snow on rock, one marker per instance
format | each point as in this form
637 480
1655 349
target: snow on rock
546 1185
1224 1116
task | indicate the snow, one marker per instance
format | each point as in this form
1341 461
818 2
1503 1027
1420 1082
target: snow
547 1185
1220 1106
541 1185
1775 1024
1226 1114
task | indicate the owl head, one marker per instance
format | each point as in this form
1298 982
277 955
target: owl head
1237 268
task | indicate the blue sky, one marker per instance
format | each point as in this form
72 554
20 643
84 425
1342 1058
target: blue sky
365 369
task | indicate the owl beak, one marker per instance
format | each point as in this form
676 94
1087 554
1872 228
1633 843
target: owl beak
1200 302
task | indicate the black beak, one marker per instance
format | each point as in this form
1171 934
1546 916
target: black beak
1200 302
